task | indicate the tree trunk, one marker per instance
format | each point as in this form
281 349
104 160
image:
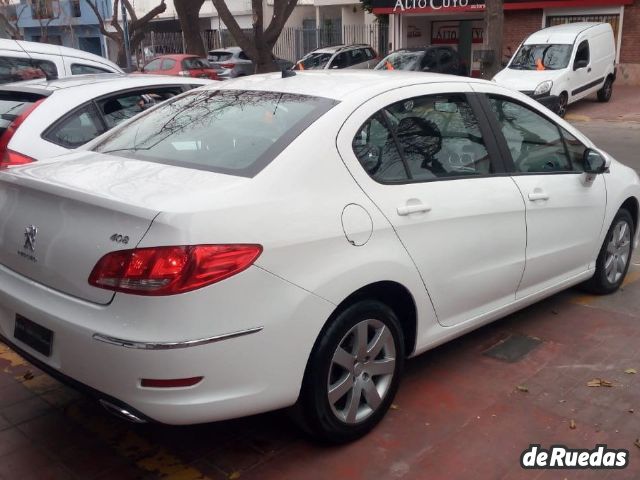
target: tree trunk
189 15
265 63
493 28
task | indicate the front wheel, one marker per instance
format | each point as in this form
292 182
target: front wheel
615 256
563 102
604 94
353 373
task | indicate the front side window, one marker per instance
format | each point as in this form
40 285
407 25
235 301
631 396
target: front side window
194 63
536 143
342 60
542 57
236 132
168 64
435 136
76 129
153 66
582 55
315 61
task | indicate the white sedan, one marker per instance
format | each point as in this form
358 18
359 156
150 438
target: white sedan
289 240
44 118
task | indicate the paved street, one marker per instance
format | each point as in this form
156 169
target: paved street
459 414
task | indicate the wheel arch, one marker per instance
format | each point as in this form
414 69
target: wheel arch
631 205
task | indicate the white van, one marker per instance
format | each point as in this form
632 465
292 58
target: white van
566 61
28 60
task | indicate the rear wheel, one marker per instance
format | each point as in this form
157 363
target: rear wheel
563 102
604 94
615 256
353 373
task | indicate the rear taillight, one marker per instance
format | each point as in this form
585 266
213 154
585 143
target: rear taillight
171 270
227 65
7 157
184 73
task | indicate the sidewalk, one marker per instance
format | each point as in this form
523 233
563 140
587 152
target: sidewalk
624 106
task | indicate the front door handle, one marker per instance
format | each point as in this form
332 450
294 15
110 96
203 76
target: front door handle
538 195
589 70
405 210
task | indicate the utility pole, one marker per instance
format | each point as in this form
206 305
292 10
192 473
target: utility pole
127 46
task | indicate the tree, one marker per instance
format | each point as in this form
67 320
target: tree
45 11
10 13
258 46
188 14
493 28
137 26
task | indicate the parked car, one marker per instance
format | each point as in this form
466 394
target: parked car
568 62
425 59
181 65
232 62
42 118
21 60
290 240
340 56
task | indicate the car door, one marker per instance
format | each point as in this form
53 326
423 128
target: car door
583 78
447 61
428 161
565 207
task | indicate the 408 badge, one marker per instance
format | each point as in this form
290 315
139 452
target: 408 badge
562 457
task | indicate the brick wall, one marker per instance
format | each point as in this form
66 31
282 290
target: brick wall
630 48
518 25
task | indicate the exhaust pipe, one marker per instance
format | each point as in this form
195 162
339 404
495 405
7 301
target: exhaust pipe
121 412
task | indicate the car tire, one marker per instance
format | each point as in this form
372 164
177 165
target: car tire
342 398
604 94
563 102
614 257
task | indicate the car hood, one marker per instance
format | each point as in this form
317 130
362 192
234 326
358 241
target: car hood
525 80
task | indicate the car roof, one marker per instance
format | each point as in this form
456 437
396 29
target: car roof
565 33
104 81
337 85
336 48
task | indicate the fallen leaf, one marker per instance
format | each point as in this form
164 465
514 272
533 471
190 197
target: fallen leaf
523 388
572 424
637 442
394 407
562 401
234 475
599 382
28 375
606 383
631 410
630 371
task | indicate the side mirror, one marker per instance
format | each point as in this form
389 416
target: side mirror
595 162
578 64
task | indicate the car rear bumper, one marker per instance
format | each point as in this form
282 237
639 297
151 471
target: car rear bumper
258 371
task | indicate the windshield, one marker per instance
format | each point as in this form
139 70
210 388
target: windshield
237 132
315 61
401 61
542 57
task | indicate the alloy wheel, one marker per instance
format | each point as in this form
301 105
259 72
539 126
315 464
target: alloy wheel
618 252
361 371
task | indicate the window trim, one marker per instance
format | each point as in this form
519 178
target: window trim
502 141
94 102
494 152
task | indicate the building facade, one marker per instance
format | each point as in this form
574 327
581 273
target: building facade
459 23
71 23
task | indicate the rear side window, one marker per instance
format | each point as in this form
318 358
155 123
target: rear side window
220 56
236 132
76 129
79 69
12 104
14 69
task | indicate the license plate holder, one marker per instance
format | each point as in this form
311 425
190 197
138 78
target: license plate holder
36 336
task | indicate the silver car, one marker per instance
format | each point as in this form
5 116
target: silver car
232 62
359 56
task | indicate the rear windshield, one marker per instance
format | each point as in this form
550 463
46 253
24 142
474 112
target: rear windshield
237 132
12 104
195 63
220 56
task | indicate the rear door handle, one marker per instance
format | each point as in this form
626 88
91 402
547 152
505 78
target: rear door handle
405 210
538 196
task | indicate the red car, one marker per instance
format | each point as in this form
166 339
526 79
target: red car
182 65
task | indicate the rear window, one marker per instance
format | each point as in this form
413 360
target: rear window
220 56
236 132
13 69
195 63
12 104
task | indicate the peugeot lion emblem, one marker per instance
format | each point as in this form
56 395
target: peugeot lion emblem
30 233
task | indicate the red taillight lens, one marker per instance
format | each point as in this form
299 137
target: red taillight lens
170 383
227 65
5 154
13 159
171 270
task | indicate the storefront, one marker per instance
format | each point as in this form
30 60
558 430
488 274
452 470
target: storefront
459 23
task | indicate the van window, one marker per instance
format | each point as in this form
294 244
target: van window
582 55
